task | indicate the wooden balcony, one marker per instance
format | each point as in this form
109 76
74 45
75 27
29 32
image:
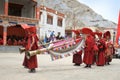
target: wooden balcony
17 20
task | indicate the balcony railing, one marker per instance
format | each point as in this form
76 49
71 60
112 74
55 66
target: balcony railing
15 19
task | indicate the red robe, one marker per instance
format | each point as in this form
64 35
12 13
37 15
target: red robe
88 51
15 42
109 51
25 62
95 50
9 42
32 62
101 53
1 41
77 58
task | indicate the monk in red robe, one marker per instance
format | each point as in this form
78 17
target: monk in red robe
9 42
101 52
31 45
1 41
88 50
109 48
15 42
77 58
95 48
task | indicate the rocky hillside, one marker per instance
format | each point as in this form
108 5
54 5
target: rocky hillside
78 14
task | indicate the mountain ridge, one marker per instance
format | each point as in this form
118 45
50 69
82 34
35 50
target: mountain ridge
78 14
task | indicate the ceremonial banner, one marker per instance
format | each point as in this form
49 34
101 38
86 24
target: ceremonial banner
67 49
118 31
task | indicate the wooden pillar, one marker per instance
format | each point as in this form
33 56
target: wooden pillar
6 7
4 35
37 12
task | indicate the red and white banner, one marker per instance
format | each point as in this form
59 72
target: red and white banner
118 31
71 47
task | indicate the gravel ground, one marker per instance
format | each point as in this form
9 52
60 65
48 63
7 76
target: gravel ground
11 69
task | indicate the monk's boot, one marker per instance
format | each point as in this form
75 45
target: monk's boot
86 66
76 64
32 70
89 66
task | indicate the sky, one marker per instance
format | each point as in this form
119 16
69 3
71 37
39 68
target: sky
108 9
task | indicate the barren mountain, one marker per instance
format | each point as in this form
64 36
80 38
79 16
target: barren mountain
78 14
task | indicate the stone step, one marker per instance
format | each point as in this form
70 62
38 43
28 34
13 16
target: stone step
9 49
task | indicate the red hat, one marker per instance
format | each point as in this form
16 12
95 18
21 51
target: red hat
31 29
76 31
98 34
107 33
86 31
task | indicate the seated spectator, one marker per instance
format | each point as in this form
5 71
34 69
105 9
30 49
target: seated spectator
19 42
1 41
58 36
9 42
45 39
24 42
15 42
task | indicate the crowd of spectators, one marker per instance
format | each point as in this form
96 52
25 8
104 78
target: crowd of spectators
53 37
20 41
13 41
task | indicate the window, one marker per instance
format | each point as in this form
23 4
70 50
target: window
15 9
59 22
40 15
49 19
